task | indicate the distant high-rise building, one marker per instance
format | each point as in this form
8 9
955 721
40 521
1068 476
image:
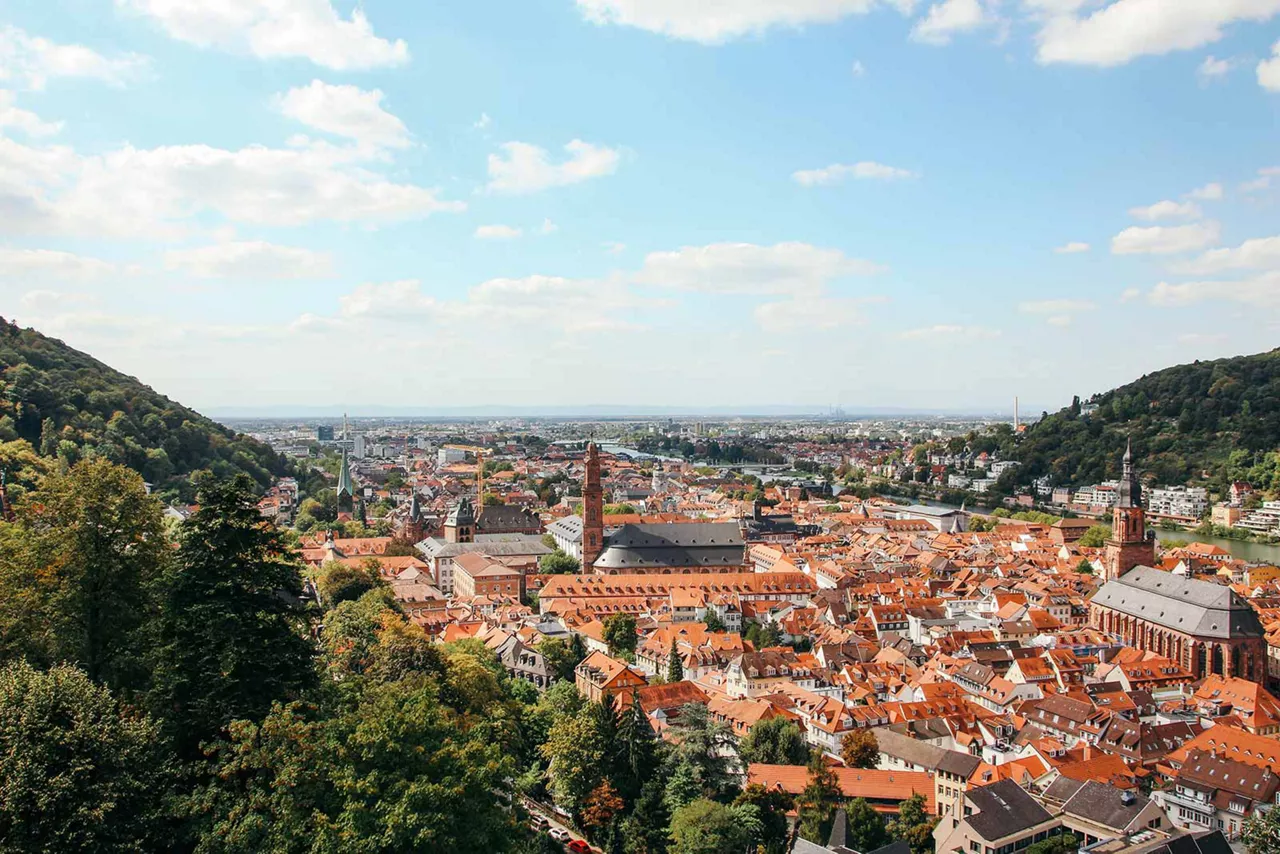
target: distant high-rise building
324 433
358 446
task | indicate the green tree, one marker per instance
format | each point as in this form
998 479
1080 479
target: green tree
637 750
645 831
866 827
559 657
80 772
558 563
1261 832
914 825
340 582
576 751
706 827
1095 536
229 638
859 749
776 741
772 806
818 802
675 665
620 634
75 572
713 622
700 755
1067 843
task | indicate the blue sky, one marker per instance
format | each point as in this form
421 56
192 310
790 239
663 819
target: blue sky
654 202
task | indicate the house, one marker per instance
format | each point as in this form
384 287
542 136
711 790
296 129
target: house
1215 791
599 676
1257 708
754 673
1095 811
884 790
477 574
995 819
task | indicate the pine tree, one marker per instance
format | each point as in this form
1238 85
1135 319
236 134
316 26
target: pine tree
638 758
675 667
817 803
230 635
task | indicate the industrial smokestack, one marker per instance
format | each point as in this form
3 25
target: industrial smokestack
1015 413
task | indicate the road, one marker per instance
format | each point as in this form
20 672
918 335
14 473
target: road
553 820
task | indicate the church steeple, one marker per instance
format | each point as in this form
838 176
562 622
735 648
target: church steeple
346 489
1128 546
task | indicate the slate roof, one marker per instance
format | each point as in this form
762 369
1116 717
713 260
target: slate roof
1098 802
645 546
1004 809
1200 608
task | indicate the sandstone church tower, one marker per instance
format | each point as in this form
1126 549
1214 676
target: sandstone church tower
592 510
1129 545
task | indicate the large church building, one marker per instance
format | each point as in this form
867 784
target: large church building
1201 625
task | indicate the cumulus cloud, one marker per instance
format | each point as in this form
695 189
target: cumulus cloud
948 18
812 313
945 331
1056 306
31 61
11 115
1072 248
837 172
1213 69
38 264
747 268
1166 210
526 168
1207 193
498 232
132 192
1269 70
249 260
1123 30
1261 291
715 21
1164 239
345 111
1260 253
277 29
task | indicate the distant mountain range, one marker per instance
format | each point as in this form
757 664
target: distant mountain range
67 404
598 411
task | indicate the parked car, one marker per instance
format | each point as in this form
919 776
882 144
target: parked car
559 834
577 846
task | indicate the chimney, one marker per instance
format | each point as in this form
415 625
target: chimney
1015 413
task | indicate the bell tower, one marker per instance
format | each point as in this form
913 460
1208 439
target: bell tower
592 510
1129 545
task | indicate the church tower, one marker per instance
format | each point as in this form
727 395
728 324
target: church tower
1129 545
346 488
592 510
460 526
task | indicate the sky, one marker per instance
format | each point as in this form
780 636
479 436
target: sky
933 204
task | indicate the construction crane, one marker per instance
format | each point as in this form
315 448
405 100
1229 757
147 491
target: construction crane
479 452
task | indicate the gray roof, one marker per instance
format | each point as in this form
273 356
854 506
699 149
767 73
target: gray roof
1200 608
955 762
570 527
673 544
1097 802
1004 809
527 545
909 749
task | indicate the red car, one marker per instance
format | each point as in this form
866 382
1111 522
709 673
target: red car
577 846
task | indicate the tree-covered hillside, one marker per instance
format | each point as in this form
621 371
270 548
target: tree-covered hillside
68 405
1220 417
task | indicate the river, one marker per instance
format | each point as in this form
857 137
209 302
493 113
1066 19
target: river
1252 552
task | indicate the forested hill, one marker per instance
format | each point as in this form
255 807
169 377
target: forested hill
68 404
1220 417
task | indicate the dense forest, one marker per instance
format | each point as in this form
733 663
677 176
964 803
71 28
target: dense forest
1219 419
68 405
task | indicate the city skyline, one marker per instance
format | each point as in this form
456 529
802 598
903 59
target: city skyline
560 204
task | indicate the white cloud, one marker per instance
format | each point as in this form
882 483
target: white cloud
745 268
548 227
719 21
483 122
1126 29
1207 193
1166 210
1056 306
42 301
837 172
1260 253
527 168
1269 70
498 232
159 191
1262 291
30 264
30 61
346 111
1060 320
1130 294
1212 69
942 331
949 17
277 29
858 70
1164 239
1072 248
24 120
249 260
614 247
812 313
